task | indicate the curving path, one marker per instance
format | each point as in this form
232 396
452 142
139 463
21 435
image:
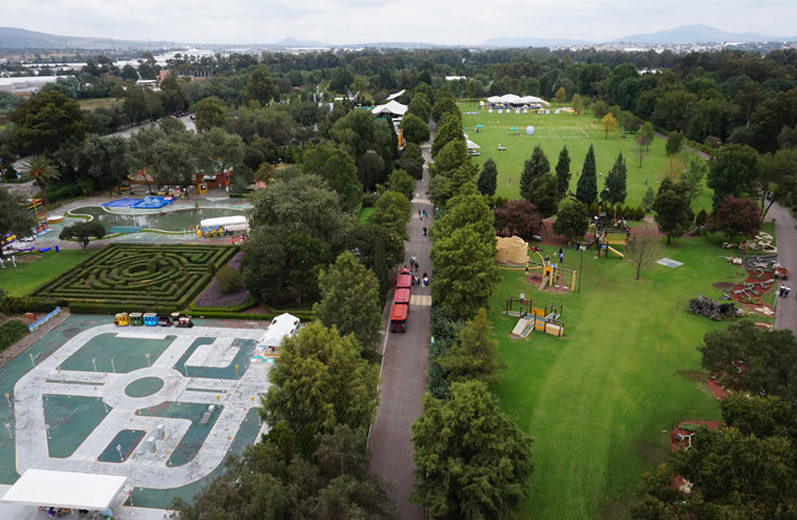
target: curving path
786 234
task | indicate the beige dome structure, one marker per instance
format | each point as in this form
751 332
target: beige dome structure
511 250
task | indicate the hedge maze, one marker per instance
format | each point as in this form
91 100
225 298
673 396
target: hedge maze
133 277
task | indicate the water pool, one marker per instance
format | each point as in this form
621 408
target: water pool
171 219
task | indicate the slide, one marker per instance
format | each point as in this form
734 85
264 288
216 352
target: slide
544 281
618 253
524 326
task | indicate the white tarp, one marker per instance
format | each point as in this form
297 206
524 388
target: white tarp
222 221
393 107
41 487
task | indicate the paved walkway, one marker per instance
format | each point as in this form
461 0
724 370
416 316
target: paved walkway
786 234
404 371
144 467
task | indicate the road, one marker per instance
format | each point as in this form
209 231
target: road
405 366
786 234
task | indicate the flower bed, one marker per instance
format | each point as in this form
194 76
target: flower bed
212 297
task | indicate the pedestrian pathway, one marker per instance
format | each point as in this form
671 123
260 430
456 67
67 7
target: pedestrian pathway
404 369
786 235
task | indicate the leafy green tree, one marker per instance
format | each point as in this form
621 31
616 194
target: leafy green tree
736 216
420 106
472 356
450 129
337 168
302 204
320 381
350 300
415 129
109 161
572 221
464 274
535 166
675 143
648 199
609 124
769 358
759 415
466 209
615 191
83 232
45 120
563 172
577 104
260 87
15 219
479 466
401 182
544 195
560 96
210 112
219 151
445 105
174 162
644 138
488 178
43 172
673 213
734 170
587 189
451 156
392 212
275 480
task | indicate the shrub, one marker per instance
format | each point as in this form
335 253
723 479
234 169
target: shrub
10 332
229 280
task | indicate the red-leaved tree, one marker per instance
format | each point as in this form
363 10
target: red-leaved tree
736 216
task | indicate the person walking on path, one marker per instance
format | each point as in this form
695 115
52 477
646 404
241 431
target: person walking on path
561 255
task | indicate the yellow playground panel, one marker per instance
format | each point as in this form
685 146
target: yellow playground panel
530 318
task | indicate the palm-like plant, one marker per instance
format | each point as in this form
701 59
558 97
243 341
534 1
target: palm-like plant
43 172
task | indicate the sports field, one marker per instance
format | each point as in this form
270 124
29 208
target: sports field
552 132
600 401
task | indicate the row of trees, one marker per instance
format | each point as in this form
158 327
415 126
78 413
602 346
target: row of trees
481 466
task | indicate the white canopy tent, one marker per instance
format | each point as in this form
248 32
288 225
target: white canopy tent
393 107
68 489
283 326
512 99
471 145
396 95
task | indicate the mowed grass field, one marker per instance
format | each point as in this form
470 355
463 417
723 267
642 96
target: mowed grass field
552 132
601 401
26 276
95 103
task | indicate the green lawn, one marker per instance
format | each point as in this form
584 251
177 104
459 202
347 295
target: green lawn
365 214
95 103
21 280
600 401
552 132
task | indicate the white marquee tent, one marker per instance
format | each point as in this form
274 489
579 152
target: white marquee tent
68 489
393 108
512 99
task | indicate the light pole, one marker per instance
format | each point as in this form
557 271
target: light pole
580 268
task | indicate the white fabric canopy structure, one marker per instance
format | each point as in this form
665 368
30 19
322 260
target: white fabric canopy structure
396 95
41 487
512 99
471 145
283 326
392 107
232 220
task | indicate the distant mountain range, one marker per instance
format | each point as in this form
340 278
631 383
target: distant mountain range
699 34
14 38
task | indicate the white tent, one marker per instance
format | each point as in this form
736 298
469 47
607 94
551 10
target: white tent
232 220
472 145
283 326
397 95
40 487
510 99
391 107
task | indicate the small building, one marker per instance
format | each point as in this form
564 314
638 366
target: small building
283 326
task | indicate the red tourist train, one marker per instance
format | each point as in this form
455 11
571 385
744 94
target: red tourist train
401 302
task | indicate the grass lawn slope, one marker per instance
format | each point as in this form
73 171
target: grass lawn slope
33 270
600 400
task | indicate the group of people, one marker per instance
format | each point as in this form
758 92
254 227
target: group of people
416 280
784 290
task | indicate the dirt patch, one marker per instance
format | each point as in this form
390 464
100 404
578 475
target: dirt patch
692 375
723 285
26 259
716 389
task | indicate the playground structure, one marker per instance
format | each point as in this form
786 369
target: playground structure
607 237
530 318
513 253
36 207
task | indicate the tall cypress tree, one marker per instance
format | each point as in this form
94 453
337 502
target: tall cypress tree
536 166
615 182
488 179
563 172
587 189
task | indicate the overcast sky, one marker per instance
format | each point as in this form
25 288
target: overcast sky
361 21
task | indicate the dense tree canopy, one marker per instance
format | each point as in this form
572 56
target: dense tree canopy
46 120
587 188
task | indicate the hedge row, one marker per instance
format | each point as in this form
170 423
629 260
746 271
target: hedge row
11 332
237 308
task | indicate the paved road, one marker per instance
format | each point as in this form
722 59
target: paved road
404 373
786 234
